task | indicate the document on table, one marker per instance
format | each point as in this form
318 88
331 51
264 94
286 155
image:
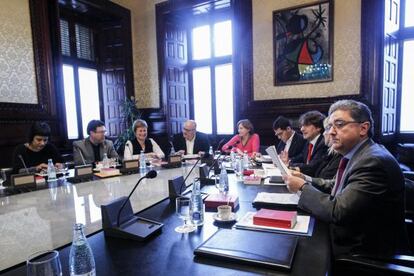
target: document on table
277 161
277 198
301 226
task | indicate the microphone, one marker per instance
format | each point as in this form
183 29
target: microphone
133 227
24 164
188 174
234 145
151 174
81 155
215 160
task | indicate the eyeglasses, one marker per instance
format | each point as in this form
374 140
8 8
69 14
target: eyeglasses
339 124
188 130
100 132
279 133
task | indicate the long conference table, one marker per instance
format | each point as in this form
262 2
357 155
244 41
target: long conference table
43 220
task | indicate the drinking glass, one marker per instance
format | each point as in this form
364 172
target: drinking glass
44 263
183 212
3 178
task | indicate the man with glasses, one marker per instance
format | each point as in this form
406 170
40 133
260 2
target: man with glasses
291 143
190 141
91 150
365 207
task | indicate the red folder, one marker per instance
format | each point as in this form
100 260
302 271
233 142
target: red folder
274 218
215 200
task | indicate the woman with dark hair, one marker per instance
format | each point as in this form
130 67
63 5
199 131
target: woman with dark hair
35 154
246 140
142 142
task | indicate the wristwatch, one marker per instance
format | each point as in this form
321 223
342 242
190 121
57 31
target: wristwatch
301 188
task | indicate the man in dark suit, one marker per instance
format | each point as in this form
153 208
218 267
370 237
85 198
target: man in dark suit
315 149
190 141
91 150
291 143
365 208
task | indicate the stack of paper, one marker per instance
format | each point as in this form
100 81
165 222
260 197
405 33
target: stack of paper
246 222
277 161
277 198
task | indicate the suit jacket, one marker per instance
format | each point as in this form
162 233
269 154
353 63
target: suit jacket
367 215
318 154
295 149
201 143
85 146
328 167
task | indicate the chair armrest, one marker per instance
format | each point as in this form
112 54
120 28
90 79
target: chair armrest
393 265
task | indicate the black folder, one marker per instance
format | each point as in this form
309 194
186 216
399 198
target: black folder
252 247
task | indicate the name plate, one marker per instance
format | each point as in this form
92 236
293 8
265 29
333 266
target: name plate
174 159
23 179
83 171
130 164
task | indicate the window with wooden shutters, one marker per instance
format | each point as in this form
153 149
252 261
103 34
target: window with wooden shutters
80 77
390 80
406 40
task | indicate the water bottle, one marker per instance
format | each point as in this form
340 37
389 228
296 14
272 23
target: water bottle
197 205
239 165
142 161
245 160
223 180
81 261
51 171
105 161
210 151
172 151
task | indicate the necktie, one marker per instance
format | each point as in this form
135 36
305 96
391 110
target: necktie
308 158
340 173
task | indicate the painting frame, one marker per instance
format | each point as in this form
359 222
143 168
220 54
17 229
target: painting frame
303 44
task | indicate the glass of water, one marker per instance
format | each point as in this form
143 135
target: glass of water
44 263
183 212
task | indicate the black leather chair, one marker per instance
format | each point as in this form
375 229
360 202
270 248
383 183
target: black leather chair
409 211
370 266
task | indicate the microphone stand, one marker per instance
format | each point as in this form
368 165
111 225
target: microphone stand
128 197
133 227
188 174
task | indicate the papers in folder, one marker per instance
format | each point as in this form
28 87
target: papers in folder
301 226
277 198
277 161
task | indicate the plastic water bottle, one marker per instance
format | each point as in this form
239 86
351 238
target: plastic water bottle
210 151
223 180
172 151
245 160
142 161
239 165
81 261
105 161
197 205
51 171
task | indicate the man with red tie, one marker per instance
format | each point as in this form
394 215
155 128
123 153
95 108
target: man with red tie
365 205
315 149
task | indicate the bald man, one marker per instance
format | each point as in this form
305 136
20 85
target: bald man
190 141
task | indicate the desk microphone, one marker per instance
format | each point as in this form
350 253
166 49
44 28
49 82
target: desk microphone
24 164
151 174
188 174
81 155
133 227
218 157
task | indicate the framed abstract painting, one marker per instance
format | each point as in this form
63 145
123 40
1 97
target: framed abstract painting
302 44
